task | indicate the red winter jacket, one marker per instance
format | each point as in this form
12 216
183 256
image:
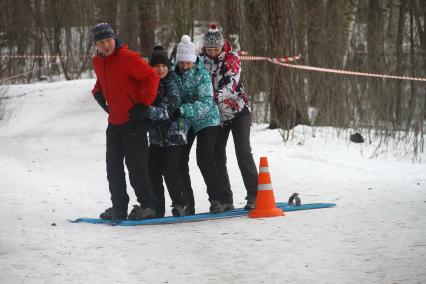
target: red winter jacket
125 79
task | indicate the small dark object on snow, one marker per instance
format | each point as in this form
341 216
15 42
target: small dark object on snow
53 224
294 197
356 138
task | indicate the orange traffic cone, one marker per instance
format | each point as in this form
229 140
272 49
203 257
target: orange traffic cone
265 201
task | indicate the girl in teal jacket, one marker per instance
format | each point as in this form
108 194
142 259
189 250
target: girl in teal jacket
196 90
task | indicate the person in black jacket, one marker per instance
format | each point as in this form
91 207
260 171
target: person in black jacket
167 135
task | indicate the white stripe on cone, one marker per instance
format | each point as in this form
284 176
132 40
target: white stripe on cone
263 169
266 186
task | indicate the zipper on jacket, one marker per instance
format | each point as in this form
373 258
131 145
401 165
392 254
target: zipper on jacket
130 98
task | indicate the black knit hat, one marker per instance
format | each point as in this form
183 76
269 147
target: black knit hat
102 31
158 56
213 38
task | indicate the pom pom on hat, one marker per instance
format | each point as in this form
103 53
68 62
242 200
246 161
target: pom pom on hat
213 28
185 39
185 51
213 38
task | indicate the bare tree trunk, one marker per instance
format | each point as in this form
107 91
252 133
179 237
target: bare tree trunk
183 16
232 27
334 48
253 40
38 47
399 63
419 11
315 35
146 27
282 39
108 12
375 47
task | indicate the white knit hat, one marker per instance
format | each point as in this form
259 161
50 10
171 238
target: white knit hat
186 50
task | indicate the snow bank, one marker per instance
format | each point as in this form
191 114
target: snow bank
52 147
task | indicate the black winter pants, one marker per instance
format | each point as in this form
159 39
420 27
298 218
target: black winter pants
164 161
206 162
128 142
240 128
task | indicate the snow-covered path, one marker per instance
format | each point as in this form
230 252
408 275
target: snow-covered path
52 169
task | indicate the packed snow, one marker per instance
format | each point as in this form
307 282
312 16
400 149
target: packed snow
52 153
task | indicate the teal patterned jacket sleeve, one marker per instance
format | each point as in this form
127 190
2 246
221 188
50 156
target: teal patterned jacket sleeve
168 106
202 106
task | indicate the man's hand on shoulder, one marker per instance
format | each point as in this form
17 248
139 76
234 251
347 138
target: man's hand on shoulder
138 112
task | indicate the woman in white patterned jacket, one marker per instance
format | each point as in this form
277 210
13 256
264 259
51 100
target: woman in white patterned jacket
224 67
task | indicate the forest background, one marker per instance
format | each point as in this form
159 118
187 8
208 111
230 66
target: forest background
51 40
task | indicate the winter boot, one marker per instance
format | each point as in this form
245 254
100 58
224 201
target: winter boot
139 213
216 207
189 210
178 211
228 206
132 215
114 214
251 203
159 215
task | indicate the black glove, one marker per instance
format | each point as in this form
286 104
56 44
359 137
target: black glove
138 112
176 114
99 97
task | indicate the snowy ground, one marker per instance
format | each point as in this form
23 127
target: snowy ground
52 169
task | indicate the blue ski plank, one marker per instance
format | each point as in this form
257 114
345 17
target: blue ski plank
200 216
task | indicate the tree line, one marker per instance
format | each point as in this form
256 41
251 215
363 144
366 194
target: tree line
376 36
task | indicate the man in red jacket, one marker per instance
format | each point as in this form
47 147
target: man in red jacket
125 87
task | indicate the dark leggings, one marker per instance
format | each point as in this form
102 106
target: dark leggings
240 128
206 161
128 142
164 162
